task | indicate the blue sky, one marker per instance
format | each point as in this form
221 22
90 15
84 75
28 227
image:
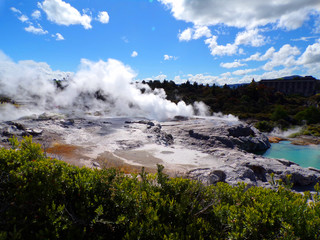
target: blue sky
209 41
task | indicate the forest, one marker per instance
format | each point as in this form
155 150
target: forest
254 103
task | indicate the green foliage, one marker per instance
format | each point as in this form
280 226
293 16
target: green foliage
264 126
311 115
279 113
251 101
313 130
43 198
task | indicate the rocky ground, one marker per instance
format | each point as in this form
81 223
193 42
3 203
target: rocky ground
208 149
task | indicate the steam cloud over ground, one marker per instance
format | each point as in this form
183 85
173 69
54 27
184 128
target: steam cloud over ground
106 87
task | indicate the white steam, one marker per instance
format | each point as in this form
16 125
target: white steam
104 87
277 132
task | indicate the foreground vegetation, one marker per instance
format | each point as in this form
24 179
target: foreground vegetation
253 101
43 198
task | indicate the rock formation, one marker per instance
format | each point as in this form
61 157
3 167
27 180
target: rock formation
207 149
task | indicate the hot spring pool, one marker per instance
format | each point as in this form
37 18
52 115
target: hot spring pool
305 156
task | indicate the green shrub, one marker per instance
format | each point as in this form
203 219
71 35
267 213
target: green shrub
264 126
43 198
279 113
313 130
311 115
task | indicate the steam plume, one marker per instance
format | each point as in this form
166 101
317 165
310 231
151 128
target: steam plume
104 86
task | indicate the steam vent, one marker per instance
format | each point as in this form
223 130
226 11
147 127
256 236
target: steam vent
306 86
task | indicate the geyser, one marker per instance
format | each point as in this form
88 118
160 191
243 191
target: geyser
32 83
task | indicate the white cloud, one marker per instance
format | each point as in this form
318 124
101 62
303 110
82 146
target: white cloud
202 79
243 14
160 77
186 35
311 55
316 28
63 13
250 37
134 54
234 64
36 14
257 56
59 37
243 71
13 9
224 78
220 50
284 57
103 17
305 39
125 39
277 73
194 33
23 18
168 57
295 19
36 30
203 31
253 57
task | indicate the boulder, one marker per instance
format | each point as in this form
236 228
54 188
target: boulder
241 131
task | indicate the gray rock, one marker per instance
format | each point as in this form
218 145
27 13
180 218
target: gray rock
241 131
242 136
34 132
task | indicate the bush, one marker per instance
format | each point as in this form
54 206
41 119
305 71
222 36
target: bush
43 198
313 130
264 126
279 113
311 115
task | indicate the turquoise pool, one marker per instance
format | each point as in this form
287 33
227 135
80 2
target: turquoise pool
305 156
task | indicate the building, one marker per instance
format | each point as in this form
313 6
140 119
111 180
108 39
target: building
305 86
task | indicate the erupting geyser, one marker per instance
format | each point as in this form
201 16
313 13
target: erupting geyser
104 87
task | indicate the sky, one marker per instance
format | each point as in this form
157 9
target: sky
208 41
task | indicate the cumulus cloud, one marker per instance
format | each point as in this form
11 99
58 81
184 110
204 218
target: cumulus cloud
59 37
311 55
36 14
250 37
284 57
248 14
224 78
36 30
243 14
194 33
23 18
63 13
243 71
103 17
203 31
234 64
295 19
316 28
186 35
160 77
257 56
134 54
168 57
220 50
